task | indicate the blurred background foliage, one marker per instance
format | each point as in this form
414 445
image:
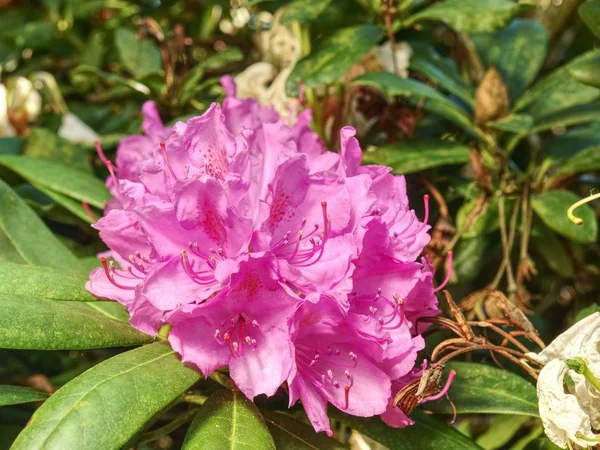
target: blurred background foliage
491 107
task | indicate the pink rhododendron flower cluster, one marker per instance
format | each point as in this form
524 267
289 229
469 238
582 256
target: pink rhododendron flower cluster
270 256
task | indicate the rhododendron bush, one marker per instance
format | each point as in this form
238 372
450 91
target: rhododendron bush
364 224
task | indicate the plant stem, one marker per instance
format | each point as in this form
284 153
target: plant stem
195 399
166 429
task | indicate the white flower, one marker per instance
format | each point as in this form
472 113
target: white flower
403 54
20 103
571 410
73 129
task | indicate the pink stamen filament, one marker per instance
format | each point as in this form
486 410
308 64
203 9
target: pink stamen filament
163 151
443 392
202 278
110 274
448 273
240 325
348 387
89 211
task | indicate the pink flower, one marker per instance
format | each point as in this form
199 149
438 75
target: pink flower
269 255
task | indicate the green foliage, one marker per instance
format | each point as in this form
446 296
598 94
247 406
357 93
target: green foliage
14 395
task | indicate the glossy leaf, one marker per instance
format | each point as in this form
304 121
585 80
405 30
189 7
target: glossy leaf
568 117
11 145
552 206
572 142
589 12
501 431
43 282
445 78
107 405
514 123
587 72
426 434
468 16
333 57
587 311
14 395
228 420
517 51
29 236
291 434
414 156
57 177
34 324
483 389
68 203
393 85
470 256
559 90
304 11
586 160
140 56
547 244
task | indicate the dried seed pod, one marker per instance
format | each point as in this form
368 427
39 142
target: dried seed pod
491 98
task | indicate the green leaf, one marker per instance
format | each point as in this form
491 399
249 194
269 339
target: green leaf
291 434
517 51
501 431
559 90
46 145
552 250
514 123
32 240
140 57
34 324
587 72
445 78
586 160
587 311
57 177
468 16
590 14
43 282
426 434
573 141
469 257
568 117
552 208
333 57
14 395
228 420
542 443
414 156
68 203
11 145
303 11
487 221
393 85
483 389
107 405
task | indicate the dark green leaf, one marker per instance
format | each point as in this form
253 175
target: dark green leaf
414 156
517 51
552 250
469 257
559 90
590 14
426 434
63 179
586 160
8 252
568 117
514 123
393 85
140 57
32 240
304 11
333 57
542 443
107 405
587 311
35 324
68 203
445 78
587 73
469 16
228 420
552 208
14 395
573 141
43 282
483 389
291 434
11 145
486 221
